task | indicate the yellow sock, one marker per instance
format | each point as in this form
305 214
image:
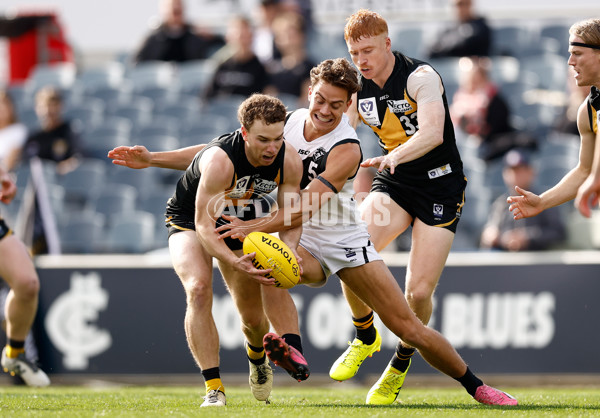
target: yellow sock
214 384
253 353
12 352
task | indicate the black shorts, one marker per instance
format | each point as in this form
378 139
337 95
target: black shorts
4 229
436 202
177 223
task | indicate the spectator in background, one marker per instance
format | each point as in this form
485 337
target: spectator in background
502 232
58 141
240 72
291 73
469 35
175 39
263 43
12 133
479 110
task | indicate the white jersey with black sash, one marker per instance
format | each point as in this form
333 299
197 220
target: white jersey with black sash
339 216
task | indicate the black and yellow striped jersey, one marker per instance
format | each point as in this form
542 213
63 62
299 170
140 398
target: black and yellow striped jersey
392 114
248 183
593 106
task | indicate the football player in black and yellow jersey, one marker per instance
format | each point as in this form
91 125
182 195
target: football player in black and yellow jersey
419 180
583 181
231 172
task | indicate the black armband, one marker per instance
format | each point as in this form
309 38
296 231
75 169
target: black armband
327 183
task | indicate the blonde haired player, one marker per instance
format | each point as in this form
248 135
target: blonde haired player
583 181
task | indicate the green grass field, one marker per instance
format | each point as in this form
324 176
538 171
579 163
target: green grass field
154 401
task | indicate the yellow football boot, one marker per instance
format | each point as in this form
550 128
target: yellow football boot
347 365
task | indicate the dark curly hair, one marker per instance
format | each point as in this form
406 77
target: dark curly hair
337 72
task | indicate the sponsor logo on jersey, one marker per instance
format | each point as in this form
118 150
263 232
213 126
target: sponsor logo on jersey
440 171
385 96
399 106
243 185
438 211
368 110
264 186
303 152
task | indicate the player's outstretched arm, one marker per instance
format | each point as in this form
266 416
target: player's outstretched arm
525 205
138 157
588 194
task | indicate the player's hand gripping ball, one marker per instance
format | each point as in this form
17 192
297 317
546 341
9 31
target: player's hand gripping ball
272 253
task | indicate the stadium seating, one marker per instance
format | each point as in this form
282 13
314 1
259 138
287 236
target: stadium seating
89 112
59 75
82 184
551 68
409 40
192 77
144 181
114 200
138 110
82 233
560 33
110 74
516 41
133 232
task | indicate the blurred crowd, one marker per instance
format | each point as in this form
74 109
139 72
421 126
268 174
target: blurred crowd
511 102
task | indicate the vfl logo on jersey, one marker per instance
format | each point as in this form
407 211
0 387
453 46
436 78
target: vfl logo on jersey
438 211
440 171
399 106
368 111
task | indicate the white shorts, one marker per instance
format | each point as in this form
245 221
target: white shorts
336 250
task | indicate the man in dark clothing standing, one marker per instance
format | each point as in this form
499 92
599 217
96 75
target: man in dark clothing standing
470 35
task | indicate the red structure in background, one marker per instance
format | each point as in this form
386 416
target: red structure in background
33 39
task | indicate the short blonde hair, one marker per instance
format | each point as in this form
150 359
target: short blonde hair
364 23
588 30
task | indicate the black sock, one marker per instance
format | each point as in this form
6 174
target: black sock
401 359
365 330
15 343
470 382
257 350
212 373
294 340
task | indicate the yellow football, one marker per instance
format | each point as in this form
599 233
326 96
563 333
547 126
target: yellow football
272 253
